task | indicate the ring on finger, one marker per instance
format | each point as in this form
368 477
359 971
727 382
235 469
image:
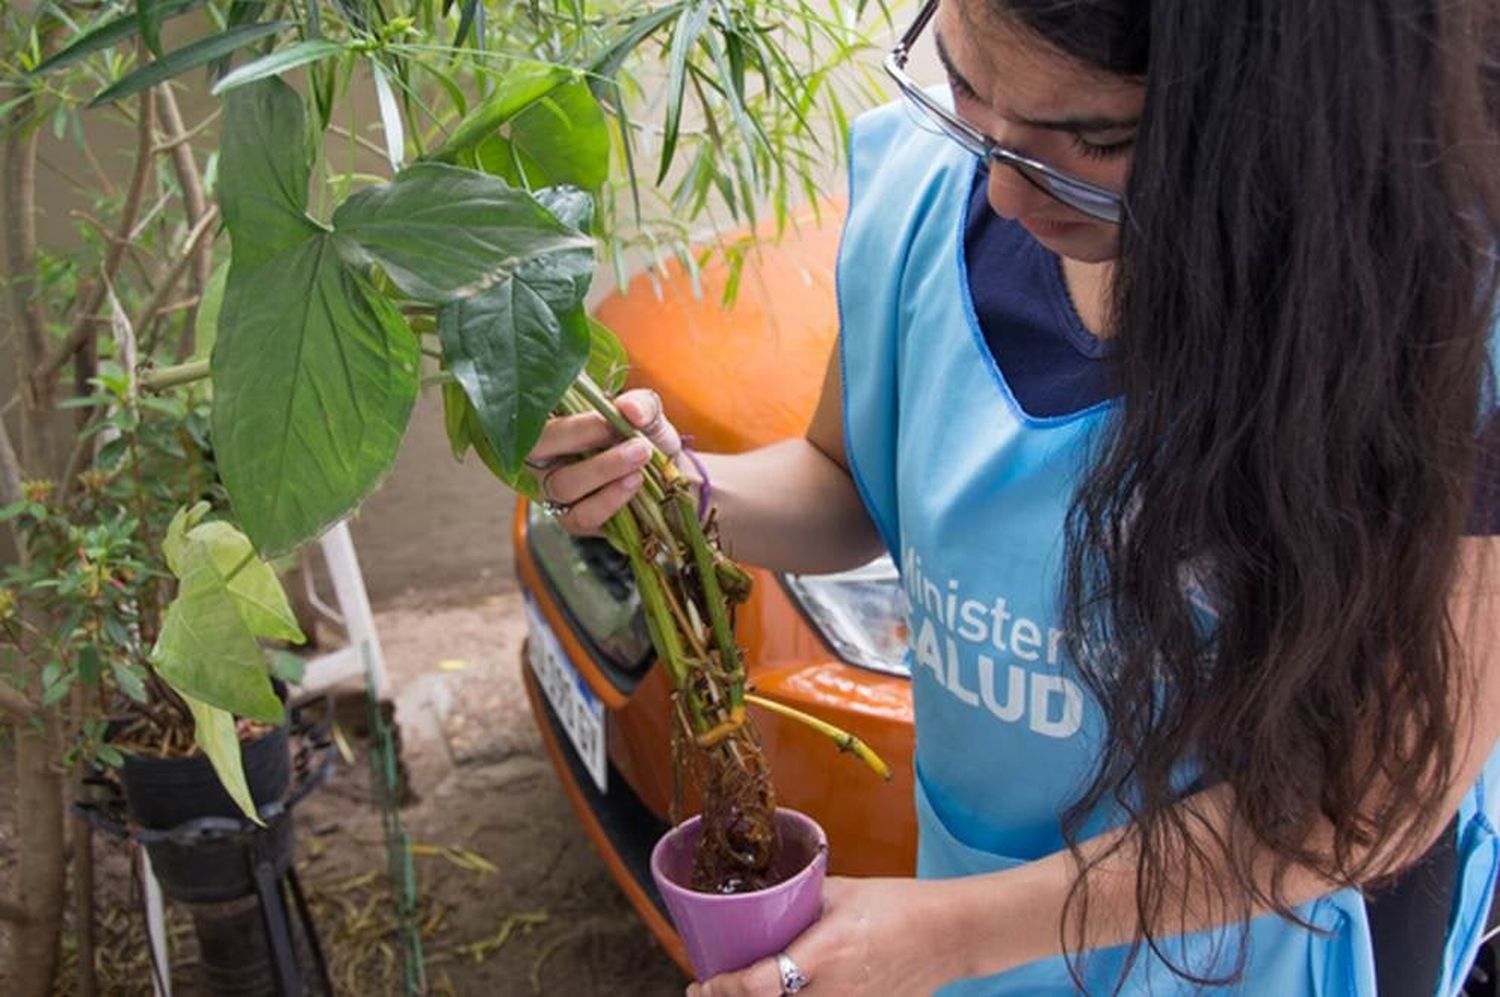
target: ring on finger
550 503
545 464
793 979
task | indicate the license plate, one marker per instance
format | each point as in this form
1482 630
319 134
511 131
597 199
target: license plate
578 709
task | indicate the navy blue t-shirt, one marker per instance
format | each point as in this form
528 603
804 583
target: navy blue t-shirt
1054 365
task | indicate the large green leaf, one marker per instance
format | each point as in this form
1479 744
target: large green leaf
206 322
465 432
205 649
278 62
315 375
263 170
214 731
523 84
314 372
442 233
257 592
108 34
514 356
179 61
569 205
562 138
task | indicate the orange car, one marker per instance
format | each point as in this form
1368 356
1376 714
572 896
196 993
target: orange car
830 645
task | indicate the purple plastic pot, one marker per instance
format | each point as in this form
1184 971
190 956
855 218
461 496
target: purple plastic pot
725 932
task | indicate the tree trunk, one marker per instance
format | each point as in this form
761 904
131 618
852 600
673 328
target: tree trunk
40 879
39 843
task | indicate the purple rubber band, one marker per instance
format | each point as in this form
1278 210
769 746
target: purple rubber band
706 489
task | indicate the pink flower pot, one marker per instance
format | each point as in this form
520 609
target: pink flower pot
726 932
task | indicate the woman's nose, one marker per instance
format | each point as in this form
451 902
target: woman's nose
1012 195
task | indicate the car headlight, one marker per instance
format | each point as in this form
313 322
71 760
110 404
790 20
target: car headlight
860 613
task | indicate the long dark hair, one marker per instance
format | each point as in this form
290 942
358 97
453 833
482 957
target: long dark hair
1300 310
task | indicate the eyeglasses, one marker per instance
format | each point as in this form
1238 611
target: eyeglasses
1093 200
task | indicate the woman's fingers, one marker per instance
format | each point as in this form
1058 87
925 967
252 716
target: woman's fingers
643 409
569 435
570 483
586 492
587 516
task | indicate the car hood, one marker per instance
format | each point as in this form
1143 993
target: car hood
744 376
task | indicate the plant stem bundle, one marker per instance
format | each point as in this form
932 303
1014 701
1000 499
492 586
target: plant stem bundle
688 589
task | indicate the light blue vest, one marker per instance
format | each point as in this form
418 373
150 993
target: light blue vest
970 494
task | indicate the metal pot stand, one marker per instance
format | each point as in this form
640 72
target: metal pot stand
263 850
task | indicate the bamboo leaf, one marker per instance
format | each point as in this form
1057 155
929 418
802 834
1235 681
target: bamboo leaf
390 118
689 27
148 20
180 60
465 22
107 35
278 62
607 63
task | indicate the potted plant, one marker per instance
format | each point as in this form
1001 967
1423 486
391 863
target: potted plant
175 683
468 267
105 489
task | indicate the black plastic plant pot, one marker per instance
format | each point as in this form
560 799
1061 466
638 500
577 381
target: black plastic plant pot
168 794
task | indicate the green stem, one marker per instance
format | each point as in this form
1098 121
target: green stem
653 598
845 740
165 378
713 599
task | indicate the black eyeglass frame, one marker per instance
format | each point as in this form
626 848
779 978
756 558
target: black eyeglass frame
1097 202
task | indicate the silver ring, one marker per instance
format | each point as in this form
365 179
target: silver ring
792 977
539 465
548 501
556 510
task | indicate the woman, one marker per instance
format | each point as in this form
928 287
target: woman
1172 415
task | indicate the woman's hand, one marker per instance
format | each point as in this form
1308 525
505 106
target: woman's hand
894 937
587 492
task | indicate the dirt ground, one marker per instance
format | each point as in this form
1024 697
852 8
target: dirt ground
556 920
514 899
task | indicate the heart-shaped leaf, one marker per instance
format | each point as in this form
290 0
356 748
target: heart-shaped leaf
314 372
442 232
515 357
